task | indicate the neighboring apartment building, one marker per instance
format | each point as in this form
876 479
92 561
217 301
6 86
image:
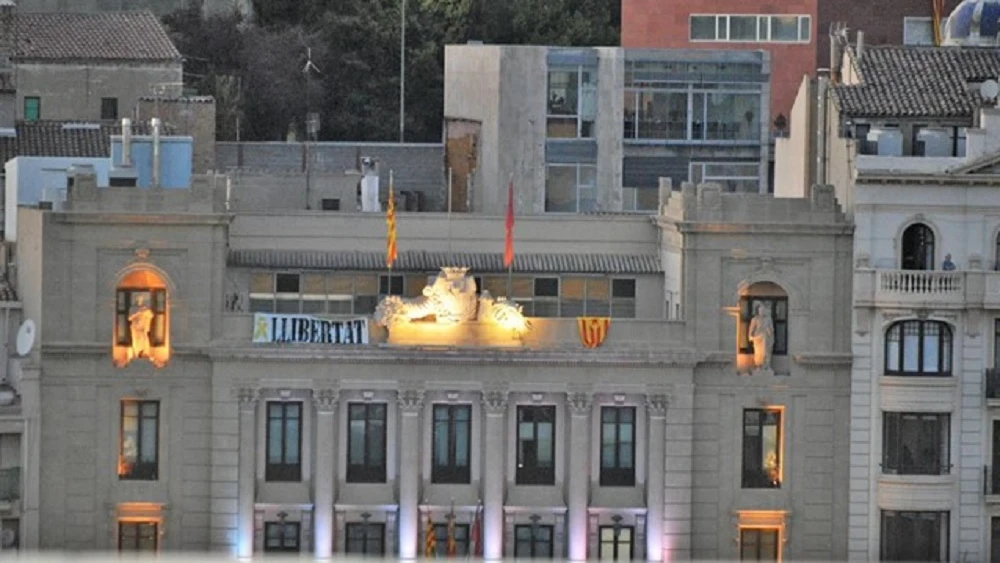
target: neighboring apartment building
795 32
918 174
234 385
90 67
598 127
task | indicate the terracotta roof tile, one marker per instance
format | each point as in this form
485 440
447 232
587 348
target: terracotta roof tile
918 82
131 36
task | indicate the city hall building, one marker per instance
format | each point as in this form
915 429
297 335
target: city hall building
203 378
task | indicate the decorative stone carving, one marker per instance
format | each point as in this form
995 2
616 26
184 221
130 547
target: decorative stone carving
579 403
410 400
762 335
656 405
141 254
326 399
248 397
495 401
451 299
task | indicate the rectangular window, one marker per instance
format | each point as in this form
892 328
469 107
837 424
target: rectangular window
734 177
761 448
140 430
330 204
461 532
452 442
572 102
546 297
366 442
749 28
703 28
536 447
138 536
533 541
623 298
779 318
570 188
281 537
319 293
915 443
109 108
616 543
914 536
32 108
918 31
10 528
995 539
617 446
390 285
759 544
284 441
365 538
127 301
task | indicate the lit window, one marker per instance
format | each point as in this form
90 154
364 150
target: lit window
918 348
778 307
141 326
140 428
761 448
616 543
138 536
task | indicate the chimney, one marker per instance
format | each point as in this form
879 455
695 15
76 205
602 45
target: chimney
126 142
155 122
861 45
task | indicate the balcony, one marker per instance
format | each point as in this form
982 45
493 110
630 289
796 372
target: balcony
991 485
992 379
920 286
10 484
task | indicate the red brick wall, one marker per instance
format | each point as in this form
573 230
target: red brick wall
665 24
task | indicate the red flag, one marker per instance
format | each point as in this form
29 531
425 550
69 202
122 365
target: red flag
508 245
475 536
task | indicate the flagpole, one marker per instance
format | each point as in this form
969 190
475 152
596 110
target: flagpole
509 235
450 187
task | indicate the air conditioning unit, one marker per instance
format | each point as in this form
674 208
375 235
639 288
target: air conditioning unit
889 141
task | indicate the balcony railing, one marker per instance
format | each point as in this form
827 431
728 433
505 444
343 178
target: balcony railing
920 283
10 484
991 481
992 377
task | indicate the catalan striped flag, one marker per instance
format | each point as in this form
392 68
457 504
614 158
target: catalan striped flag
475 536
390 220
430 540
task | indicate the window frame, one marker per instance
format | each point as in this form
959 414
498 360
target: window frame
283 471
754 474
763 30
137 525
283 537
747 312
361 303
37 102
698 174
461 540
894 444
141 470
534 541
580 187
585 129
925 263
618 475
696 127
759 532
106 105
157 304
368 471
453 472
945 348
535 474
366 538
942 519
615 543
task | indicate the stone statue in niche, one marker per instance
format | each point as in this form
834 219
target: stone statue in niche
761 334
140 320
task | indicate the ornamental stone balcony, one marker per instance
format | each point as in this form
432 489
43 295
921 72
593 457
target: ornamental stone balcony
931 289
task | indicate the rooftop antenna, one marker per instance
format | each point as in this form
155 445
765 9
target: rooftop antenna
312 119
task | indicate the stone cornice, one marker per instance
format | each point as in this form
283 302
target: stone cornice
762 228
823 359
131 218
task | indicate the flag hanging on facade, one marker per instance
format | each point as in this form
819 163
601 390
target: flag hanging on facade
508 245
452 544
475 535
430 541
593 330
390 220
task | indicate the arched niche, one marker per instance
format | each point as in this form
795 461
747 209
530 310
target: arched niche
773 297
141 317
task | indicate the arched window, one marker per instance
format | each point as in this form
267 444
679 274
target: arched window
918 348
918 248
141 326
772 297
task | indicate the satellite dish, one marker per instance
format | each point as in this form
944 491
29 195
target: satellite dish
989 90
8 539
25 337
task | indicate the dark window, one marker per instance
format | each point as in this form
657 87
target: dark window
918 248
390 285
918 348
758 544
366 442
138 536
109 108
914 536
281 537
994 540
452 435
32 108
129 297
536 448
915 444
761 448
616 543
364 538
623 298
533 541
284 441
617 446
286 293
546 293
328 204
779 318
996 254
140 432
461 532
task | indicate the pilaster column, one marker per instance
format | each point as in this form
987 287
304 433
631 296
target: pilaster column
579 473
495 407
248 398
31 394
323 493
410 403
656 407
